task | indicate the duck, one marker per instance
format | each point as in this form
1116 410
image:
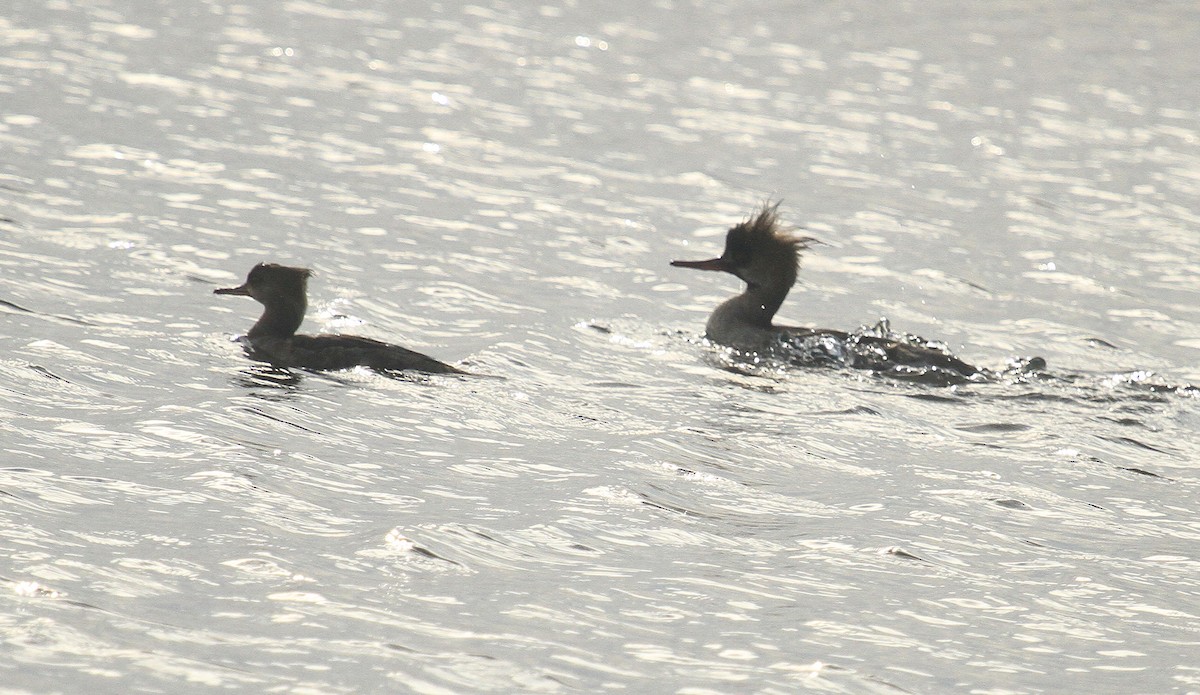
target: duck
765 254
283 292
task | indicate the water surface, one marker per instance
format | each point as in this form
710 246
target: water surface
629 509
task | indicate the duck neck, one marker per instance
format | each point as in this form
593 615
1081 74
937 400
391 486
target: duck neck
747 317
280 319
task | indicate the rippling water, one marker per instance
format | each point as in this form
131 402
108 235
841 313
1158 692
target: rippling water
628 509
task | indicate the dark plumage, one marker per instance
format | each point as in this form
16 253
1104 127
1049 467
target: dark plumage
766 256
283 292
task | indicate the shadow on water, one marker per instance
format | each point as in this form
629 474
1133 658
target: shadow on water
284 381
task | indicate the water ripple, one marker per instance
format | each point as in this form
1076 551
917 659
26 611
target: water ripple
627 507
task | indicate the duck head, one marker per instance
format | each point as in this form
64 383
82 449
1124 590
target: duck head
760 251
270 282
282 290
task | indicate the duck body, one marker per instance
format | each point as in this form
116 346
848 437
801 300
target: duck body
766 256
330 352
283 292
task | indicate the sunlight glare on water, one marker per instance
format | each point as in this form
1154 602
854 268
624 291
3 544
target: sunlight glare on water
628 508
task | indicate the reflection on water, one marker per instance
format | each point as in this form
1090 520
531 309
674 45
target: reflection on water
629 508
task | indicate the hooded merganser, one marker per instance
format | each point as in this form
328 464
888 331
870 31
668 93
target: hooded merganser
283 293
766 256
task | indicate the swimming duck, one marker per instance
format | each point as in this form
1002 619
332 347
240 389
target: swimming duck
283 291
766 256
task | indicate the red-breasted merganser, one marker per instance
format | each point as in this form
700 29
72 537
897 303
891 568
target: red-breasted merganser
283 292
766 256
